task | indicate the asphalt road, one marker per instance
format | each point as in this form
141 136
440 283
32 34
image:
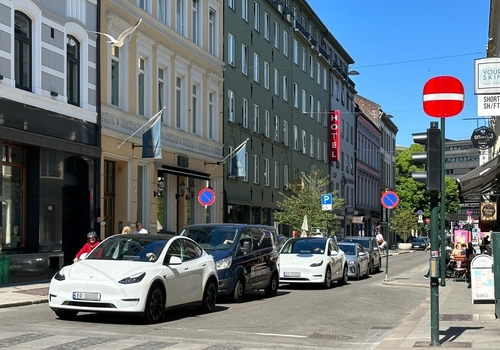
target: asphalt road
358 315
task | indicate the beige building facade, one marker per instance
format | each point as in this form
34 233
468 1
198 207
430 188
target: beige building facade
173 60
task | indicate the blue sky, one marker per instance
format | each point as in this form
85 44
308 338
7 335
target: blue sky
382 34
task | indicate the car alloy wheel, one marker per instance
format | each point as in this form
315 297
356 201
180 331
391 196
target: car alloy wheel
328 279
272 288
209 297
357 272
239 290
345 277
155 305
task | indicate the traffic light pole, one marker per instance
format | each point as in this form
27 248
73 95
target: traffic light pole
442 261
434 272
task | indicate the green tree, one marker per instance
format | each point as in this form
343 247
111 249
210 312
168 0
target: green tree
403 222
304 198
412 194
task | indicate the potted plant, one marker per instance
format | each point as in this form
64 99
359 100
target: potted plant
403 222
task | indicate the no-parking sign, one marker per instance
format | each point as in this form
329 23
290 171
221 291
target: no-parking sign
206 196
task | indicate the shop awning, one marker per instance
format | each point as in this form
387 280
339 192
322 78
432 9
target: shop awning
481 180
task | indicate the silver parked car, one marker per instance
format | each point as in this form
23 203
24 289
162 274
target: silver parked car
358 259
371 246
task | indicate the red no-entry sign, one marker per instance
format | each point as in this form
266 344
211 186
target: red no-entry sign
443 96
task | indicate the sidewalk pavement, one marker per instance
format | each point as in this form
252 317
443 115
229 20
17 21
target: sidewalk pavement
462 324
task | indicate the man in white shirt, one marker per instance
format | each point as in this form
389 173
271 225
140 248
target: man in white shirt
381 242
139 228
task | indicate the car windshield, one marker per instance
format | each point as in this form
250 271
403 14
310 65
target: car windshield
364 242
304 246
348 249
129 247
212 238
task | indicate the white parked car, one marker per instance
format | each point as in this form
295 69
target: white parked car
312 260
139 274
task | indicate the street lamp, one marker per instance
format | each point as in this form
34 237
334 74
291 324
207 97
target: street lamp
353 72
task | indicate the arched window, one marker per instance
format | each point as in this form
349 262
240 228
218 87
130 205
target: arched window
22 51
73 70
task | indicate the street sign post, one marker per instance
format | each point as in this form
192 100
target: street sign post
389 200
326 201
206 196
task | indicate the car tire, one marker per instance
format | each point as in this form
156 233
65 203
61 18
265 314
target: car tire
327 283
379 267
239 290
66 314
358 276
367 272
209 297
154 309
370 268
272 288
345 277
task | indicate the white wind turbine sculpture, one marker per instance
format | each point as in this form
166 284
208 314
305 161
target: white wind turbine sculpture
121 38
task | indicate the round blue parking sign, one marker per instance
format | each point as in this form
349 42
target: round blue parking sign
206 196
389 200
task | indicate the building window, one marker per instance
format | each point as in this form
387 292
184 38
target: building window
266 172
256 170
304 142
285 88
73 70
230 49
244 10
295 95
256 67
295 52
179 17
295 138
141 74
276 82
266 124
22 51
311 106
256 16
230 4
285 43
285 132
311 66
212 32
304 101
231 104
285 175
266 26
115 75
276 128
276 35
304 59
178 102
256 117
266 75
195 22
276 175
311 145
244 112
194 110
163 15
244 59
211 116
162 93
143 4
13 202
318 149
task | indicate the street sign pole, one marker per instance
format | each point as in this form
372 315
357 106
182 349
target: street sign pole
434 273
442 261
388 244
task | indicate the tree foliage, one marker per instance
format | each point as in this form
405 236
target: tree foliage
403 222
304 198
413 195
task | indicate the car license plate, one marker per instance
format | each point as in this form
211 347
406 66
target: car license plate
86 296
16 266
291 274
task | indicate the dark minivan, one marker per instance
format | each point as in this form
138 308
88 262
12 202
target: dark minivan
245 255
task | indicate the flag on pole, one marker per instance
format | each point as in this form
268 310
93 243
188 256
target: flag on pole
238 164
151 141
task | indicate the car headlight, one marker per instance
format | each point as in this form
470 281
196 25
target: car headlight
317 263
224 263
133 279
352 262
60 275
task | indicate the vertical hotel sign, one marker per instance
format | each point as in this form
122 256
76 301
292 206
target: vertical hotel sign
334 139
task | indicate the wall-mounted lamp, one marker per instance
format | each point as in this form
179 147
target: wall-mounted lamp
54 94
180 190
353 72
155 193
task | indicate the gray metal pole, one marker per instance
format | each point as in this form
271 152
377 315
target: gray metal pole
388 244
442 261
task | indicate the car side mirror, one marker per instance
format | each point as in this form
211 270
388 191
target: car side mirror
361 253
334 253
175 260
83 256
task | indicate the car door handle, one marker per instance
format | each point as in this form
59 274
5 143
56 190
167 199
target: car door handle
186 268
